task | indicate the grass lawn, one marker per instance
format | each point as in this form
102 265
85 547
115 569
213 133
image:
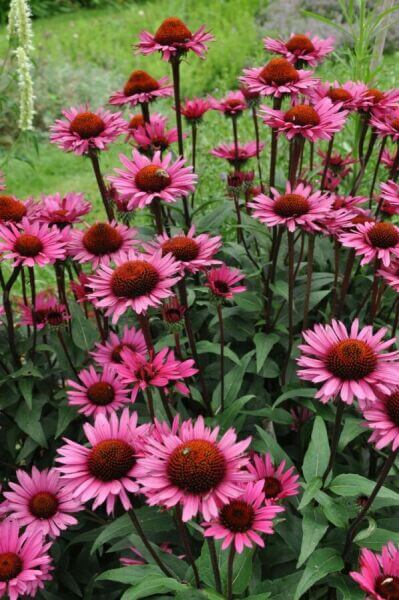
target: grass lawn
86 55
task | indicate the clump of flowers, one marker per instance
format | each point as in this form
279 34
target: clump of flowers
203 355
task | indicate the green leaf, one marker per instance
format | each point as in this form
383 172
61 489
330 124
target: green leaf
193 594
27 370
295 393
318 452
263 344
290 529
208 593
277 415
281 588
352 485
367 532
314 526
150 519
152 585
204 346
269 444
230 414
336 510
352 429
280 288
214 219
242 570
378 539
249 302
66 414
130 574
311 489
348 588
84 332
26 388
321 563
233 381
29 421
308 13
121 527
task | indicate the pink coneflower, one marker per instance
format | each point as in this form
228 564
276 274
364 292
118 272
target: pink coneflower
240 521
300 415
138 120
105 471
379 573
174 39
382 102
14 210
241 180
139 559
373 241
338 164
159 370
388 158
62 210
337 220
98 393
390 196
154 136
110 351
193 110
222 282
301 48
391 275
382 416
348 364
141 88
231 105
138 281
237 156
193 252
25 563
351 95
386 124
277 483
40 503
80 288
83 130
30 244
173 312
348 202
101 242
338 168
47 311
252 98
121 205
299 206
146 179
313 122
331 181
277 79
190 467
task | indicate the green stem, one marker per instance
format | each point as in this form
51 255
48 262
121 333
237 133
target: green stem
230 565
221 329
335 439
137 525
379 483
